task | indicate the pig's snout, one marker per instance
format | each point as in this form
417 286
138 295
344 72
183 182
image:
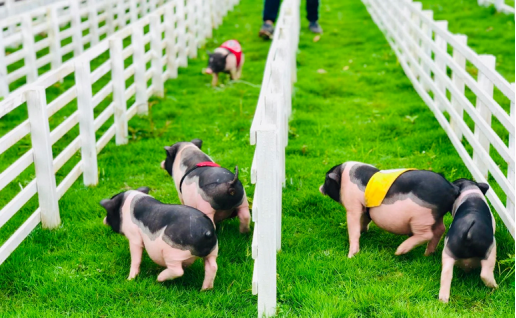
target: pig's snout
208 71
321 189
105 221
163 165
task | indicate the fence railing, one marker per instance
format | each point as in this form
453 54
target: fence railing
142 63
477 113
39 40
500 5
269 132
11 7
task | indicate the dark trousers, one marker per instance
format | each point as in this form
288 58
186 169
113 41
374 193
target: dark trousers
271 8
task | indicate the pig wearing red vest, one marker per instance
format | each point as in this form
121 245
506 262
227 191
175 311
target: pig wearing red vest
228 58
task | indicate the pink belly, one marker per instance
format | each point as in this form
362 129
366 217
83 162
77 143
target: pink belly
401 216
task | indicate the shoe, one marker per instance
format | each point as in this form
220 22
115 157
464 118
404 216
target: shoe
315 27
266 31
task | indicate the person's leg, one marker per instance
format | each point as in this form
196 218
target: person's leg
312 10
270 10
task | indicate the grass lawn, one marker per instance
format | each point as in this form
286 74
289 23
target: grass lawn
488 31
352 102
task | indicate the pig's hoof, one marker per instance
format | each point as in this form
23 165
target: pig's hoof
444 299
428 253
489 282
206 288
245 229
351 254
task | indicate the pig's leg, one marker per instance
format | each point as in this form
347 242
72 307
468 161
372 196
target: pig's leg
136 249
446 277
210 270
365 220
486 274
233 74
174 270
244 216
239 71
215 79
422 232
438 231
353 218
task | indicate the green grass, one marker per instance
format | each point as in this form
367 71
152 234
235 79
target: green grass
488 31
368 112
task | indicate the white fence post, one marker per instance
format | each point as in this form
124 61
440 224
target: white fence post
139 69
143 7
120 12
417 22
133 10
117 78
458 83
4 85
157 64
28 47
511 169
426 48
190 22
110 18
43 158
207 18
86 122
53 37
181 25
439 61
487 86
76 27
170 38
93 21
266 260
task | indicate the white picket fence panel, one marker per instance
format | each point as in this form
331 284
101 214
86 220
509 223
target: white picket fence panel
414 36
269 132
11 7
83 22
500 5
167 31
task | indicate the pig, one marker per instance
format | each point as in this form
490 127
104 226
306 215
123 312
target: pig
202 184
227 58
414 205
470 241
174 236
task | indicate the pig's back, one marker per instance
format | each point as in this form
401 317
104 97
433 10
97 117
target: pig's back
185 228
215 183
471 233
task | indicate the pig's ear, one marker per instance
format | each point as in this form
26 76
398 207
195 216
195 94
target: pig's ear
107 204
483 187
334 176
171 151
197 142
144 190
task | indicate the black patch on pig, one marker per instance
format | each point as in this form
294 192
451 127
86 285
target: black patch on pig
197 142
190 157
171 156
428 189
465 184
471 232
218 190
332 182
360 174
114 213
217 62
186 228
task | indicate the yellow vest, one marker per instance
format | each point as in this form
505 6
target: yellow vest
379 185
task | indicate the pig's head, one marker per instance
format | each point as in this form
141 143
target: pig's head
465 184
113 208
216 63
331 186
172 151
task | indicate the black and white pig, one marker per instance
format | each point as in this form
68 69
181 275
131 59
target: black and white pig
228 58
206 186
174 236
414 205
470 242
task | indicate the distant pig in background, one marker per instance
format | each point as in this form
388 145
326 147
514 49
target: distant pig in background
470 242
228 58
173 235
204 185
413 203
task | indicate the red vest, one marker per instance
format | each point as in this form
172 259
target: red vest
234 47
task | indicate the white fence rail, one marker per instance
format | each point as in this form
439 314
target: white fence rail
269 132
11 7
167 31
500 5
441 79
43 37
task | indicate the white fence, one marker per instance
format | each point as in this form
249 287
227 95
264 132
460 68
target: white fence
500 5
57 31
11 7
441 79
269 132
167 31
